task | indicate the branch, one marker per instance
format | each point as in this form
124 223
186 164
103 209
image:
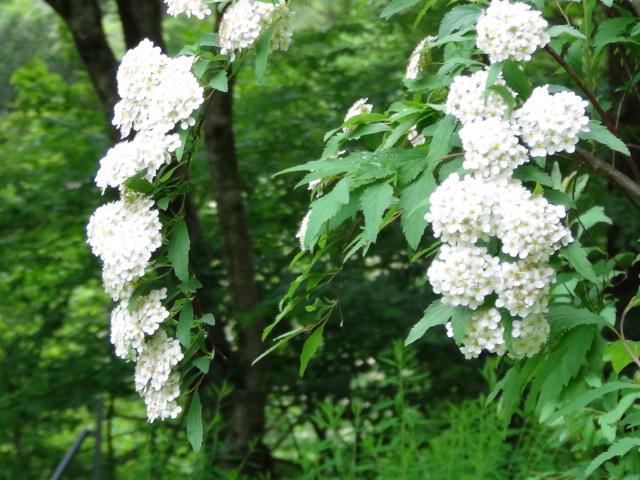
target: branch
610 173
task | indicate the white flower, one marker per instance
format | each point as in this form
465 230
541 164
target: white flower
158 92
129 330
529 334
491 147
466 101
361 107
148 150
419 58
302 232
511 30
124 234
551 123
415 139
523 287
244 21
189 7
463 274
156 379
483 332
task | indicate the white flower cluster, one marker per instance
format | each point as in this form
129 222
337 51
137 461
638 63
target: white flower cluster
419 58
157 92
245 20
302 231
522 287
128 330
528 335
156 380
483 332
551 123
511 30
360 107
189 7
124 234
466 100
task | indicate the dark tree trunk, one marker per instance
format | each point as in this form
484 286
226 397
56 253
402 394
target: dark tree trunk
140 20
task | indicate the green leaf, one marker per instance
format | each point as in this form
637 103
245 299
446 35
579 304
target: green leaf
505 93
414 203
208 40
200 67
441 142
262 52
219 81
592 216
178 249
618 354
139 184
618 449
208 319
533 173
494 72
194 423
310 347
184 324
557 30
397 6
374 201
322 210
516 78
437 313
599 133
281 340
202 364
577 257
559 198
611 31
459 321
461 18
565 317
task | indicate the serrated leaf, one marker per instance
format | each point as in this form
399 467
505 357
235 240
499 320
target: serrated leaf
441 142
565 29
414 203
202 364
262 52
461 18
459 321
618 354
577 257
618 449
437 313
178 250
611 31
310 347
194 423
374 201
322 210
565 317
220 81
599 133
185 323
397 6
592 216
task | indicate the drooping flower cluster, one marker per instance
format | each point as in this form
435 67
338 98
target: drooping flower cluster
189 7
157 94
245 21
419 58
511 30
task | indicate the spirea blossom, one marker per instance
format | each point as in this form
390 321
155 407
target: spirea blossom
302 232
244 21
551 123
510 30
128 330
529 334
529 226
158 92
419 58
523 287
156 379
124 234
491 147
189 7
148 150
483 332
463 274
360 107
466 101
415 138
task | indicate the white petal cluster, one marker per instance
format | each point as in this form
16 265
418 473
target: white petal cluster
461 210
128 330
523 287
551 123
415 138
483 332
189 7
463 274
492 147
302 232
466 101
419 58
360 107
510 31
148 150
124 234
157 92
245 20
529 334
155 378
530 227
